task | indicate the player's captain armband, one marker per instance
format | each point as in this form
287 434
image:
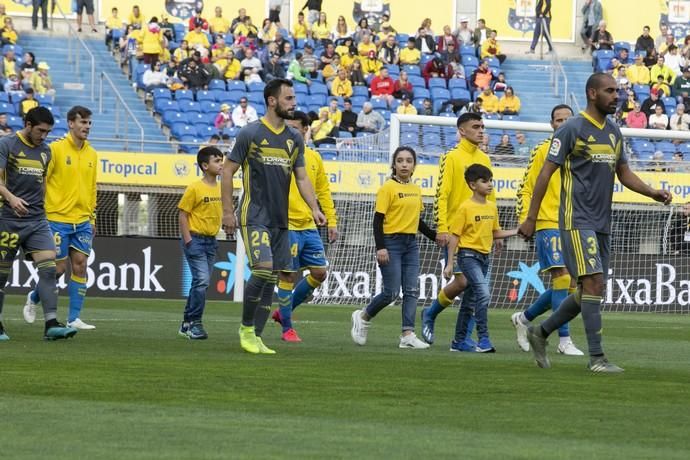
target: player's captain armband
555 147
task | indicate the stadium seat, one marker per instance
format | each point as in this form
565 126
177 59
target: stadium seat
58 132
493 62
190 106
425 59
4 98
255 98
316 99
237 85
359 90
470 60
256 87
602 59
165 105
183 129
234 96
641 91
440 94
216 84
14 121
457 83
417 82
300 88
670 104
205 131
184 95
55 110
180 30
6 107
328 154
402 38
666 147
379 103
203 95
232 132
511 117
171 117
161 94
685 150
45 99
437 82
194 118
468 50
210 106
460 93
318 88
618 46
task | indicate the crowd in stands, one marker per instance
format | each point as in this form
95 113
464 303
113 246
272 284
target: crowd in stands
349 80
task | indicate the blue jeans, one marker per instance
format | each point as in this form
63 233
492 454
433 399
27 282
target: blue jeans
475 267
201 255
402 268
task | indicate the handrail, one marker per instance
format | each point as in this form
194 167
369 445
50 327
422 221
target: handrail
556 66
119 98
573 102
74 33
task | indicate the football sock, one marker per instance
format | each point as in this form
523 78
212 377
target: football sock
252 294
442 302
591 316
47 288
568 310
34 296
285 301
263 310
77 291
539 306
4 274
559 293
303 290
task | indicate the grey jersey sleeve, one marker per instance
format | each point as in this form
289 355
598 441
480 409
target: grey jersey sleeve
562 143
240 150
620 150
4 154
299 160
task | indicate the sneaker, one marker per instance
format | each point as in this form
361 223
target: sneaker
411 341
602 365
538 344
263 349
3 335
427 327
530 51
462 346
184 330
569 349
79 324
290 336
59 331
196 331
521 331
470 343
248 340
485 346
275 316
29 310
360 327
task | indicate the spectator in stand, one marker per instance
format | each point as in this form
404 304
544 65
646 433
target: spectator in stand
426 25
310 63
424 42
135 17
362 29
229 67
660 68
480 34
322 130
491 48
602 38
410 55
280 41
668 42
220 49
334 114
41 82
313 8
449 51
650 104
224 118
658 120
246 29
624 57
300 31
331 71
81 6
327 56
366 45
522 147
197 18
348 122
9 63
274 69
43 5
661 87
194 76
674 60
196 37
389 53
661 38
268 31
370 121
382 86
482 76
386 30
500 84
592 14
644 42
680 121
218 24
167 29
112 23
542 28
28 67
636 118
614 67
405 108
685 50
348 54
296 70
8 35
434 69
287 54
13 87
682 84
357 74
340 31
371 65
27 103
505 147
484 145
403 86
321 30
244 114
446 39
509 104
183 52
490 101
341 85
427 107
154 78
464 33
5 130
213 140
152 41
241 14
626 103
454 68
638 74
251 65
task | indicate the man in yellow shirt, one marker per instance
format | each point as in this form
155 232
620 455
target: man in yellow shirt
451 191
112 23
341 85
334 114
489 101
70 202
406 108
322 130
410 55
196 38
219 24
300 30
366 46
638 73
548 242
135 17
306 246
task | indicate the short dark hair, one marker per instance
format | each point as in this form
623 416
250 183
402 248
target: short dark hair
226 137
29 91
559 107
206 153
468 116
596 80
215 137
78 110
479 99
476 172
302 117
347 100
272 88
39 115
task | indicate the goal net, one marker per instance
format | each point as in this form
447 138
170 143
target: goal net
649 268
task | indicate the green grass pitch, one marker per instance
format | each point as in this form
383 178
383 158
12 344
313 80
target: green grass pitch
132 389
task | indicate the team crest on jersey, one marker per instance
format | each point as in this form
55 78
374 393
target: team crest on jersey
44 158
555 147
612 138
3 254
290 144
592 262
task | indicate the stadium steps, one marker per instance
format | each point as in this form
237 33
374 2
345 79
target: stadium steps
69 92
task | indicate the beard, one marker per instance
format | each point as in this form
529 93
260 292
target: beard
285 114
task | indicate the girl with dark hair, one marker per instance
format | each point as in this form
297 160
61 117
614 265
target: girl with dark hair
397 219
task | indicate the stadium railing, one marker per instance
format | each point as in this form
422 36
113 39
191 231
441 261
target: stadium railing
120 106
75 51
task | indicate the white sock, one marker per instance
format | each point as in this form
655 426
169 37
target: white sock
564 340
523 319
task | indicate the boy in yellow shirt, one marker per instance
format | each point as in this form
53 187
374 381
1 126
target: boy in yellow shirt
201 212
472 233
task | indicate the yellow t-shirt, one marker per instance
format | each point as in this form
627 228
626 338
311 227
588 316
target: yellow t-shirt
342 50
475 223
346 60
320 31
410 56
299 212
113 23
341 87
136 20
409 110
197 38
363 49
152 42
233 70
203 204
9 67
182 54
490 102
401 204
335 117
219 25
323 131
300 31
548 212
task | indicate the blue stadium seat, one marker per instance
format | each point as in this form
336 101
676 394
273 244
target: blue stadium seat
232 132
468 50
316 99
190 106
359 100
237 85
417 82
4 98
210 106
359 90
184 95
440 94
412 70
183 129
216 84
58 132
55 110
468 60
460 93
602 59
161 94
300 88
618 46
45 99
8 108
425 59
255 98
402 39
231 96
437 82
318 88
328 154
641 91
457 83
165 105
180 30
203 95
14 121
511 117
493 62
205 131
379 103
195 117
171 117
685 150
667 147
256 87
670 104
190 144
